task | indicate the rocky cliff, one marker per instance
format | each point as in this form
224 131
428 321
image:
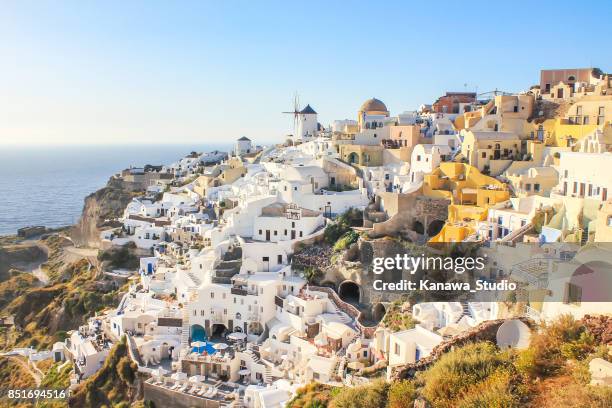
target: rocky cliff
100 211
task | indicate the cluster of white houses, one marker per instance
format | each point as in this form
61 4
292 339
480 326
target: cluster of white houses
219 316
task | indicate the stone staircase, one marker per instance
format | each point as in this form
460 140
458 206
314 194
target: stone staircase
194 278
466 309
185 328
268 375
517 234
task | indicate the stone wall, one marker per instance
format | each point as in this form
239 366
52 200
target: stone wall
411 209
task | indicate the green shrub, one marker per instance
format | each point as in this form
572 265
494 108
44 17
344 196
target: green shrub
401 394
459 370
346 240
343 223
494 391
373 395
313 395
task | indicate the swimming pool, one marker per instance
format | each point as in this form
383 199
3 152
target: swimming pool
208 348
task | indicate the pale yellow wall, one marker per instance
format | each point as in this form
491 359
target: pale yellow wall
375 154
603 223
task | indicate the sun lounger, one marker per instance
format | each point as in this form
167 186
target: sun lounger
203 391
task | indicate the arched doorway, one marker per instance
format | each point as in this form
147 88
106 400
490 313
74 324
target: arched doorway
435 227
349 292
353 158
218 331
378 312
197 333
417 226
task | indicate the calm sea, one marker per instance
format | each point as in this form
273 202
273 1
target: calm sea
47 185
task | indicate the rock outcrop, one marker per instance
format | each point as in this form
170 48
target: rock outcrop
20 256
100 211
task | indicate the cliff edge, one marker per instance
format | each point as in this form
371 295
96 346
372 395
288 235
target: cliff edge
100 212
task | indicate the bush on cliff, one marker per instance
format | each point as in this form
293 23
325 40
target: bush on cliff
120 258
343 223
112 384
346 240
373 395
462 371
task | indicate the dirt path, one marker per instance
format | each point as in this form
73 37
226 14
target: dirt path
36 374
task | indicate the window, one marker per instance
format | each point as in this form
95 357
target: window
275 232
397 349
609 221
279 259
300 234
536 187
484 155
260 232
293 224
575 187
285 232
212 295
528 187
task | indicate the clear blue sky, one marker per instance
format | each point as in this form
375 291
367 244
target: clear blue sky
137 72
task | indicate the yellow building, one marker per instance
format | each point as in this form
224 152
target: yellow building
581 119
505 113
533 181
471 194
362 155
488 151
221 174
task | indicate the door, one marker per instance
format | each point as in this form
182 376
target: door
292 234
267 235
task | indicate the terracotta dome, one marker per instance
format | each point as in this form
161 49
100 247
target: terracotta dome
373 105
